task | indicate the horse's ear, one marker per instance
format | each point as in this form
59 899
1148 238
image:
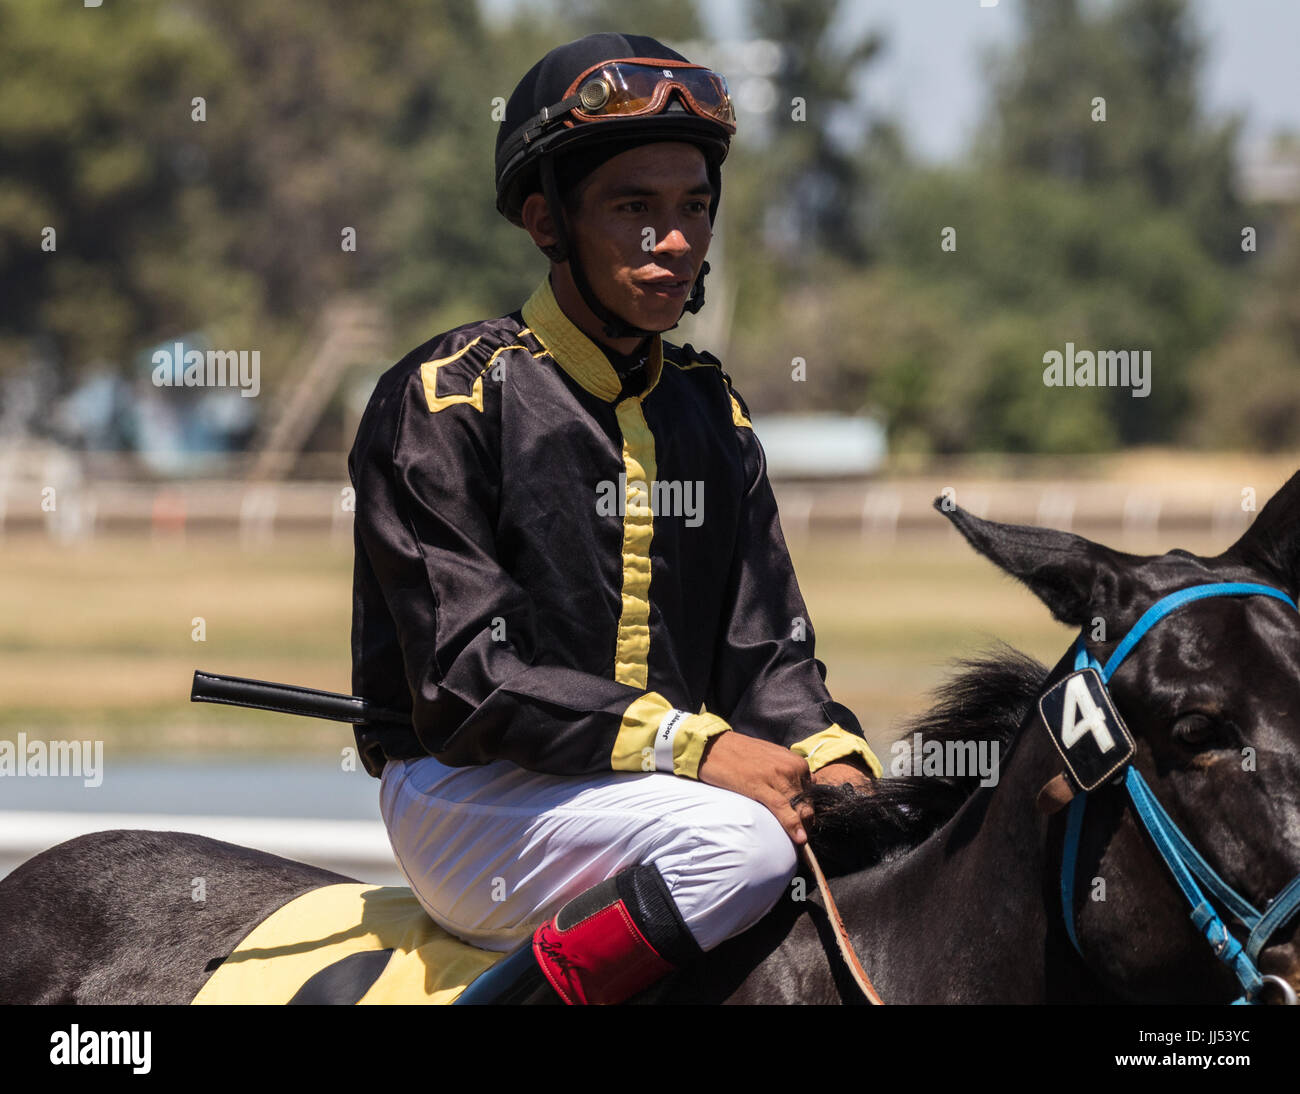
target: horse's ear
1076 578
1272 542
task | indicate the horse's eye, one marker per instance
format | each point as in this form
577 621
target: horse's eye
1196 731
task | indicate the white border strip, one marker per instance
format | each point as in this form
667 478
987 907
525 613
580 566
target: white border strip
24 833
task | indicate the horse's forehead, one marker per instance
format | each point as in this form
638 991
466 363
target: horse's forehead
1235 628
1220 644
1159 575
1227 651
1178 567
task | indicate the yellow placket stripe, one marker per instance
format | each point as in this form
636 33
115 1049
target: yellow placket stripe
632 650
588 366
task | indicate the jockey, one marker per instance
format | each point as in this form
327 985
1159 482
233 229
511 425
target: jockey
570 570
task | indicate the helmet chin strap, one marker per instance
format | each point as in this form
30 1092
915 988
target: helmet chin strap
695 301
614 326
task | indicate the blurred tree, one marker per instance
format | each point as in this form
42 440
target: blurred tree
813 182
98 153
1113 98
667 20
444 231
1068 228
316 118
383 118
1246 388
801 210
1098 267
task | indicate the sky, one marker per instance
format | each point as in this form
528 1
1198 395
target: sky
932 80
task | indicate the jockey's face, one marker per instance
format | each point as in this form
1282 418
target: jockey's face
641 229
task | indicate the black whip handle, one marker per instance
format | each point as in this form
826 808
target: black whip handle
212 687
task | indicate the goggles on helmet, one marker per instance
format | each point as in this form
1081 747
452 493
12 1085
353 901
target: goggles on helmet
629 88
639 86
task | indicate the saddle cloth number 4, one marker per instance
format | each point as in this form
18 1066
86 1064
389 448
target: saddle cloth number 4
1086 728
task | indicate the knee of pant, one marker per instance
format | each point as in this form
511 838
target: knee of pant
768 857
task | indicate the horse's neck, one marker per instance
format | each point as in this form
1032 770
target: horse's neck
962 918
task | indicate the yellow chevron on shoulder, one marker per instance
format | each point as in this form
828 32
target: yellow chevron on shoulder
429 373
688 357
738 416
687 365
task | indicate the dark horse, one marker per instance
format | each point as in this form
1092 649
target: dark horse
949 889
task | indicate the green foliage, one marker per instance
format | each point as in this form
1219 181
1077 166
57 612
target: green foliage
1109 231
809 179
1246 388
315 117
319 117
1114 234
1139 62
1039 262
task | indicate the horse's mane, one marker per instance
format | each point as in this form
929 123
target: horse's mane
986 700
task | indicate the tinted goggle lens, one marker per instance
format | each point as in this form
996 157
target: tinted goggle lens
628 89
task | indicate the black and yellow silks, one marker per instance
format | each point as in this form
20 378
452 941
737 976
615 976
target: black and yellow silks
495 587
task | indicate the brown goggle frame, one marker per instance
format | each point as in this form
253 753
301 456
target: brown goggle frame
640 86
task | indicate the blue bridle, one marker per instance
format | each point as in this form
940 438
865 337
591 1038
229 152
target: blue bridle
1183 860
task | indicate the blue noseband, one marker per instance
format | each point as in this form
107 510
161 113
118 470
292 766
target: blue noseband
1183 860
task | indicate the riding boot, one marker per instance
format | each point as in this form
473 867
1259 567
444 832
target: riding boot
603 946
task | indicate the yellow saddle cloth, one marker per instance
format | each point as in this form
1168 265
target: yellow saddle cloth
347 944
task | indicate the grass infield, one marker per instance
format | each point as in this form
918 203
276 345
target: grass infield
97 641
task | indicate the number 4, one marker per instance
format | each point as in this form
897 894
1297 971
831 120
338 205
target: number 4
1081 714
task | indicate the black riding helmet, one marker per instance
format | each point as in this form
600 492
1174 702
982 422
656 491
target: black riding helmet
543 142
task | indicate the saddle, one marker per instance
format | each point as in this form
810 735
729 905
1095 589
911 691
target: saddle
347 944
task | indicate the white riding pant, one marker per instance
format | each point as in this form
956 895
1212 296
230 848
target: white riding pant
492 851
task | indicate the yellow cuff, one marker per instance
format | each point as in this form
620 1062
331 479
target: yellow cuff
634 747
835 743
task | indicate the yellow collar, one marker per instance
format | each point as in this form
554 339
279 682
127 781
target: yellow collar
577 354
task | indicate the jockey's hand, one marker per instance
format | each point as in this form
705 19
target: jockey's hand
763 771
854 773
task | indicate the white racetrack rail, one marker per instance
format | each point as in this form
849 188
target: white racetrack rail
358 848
